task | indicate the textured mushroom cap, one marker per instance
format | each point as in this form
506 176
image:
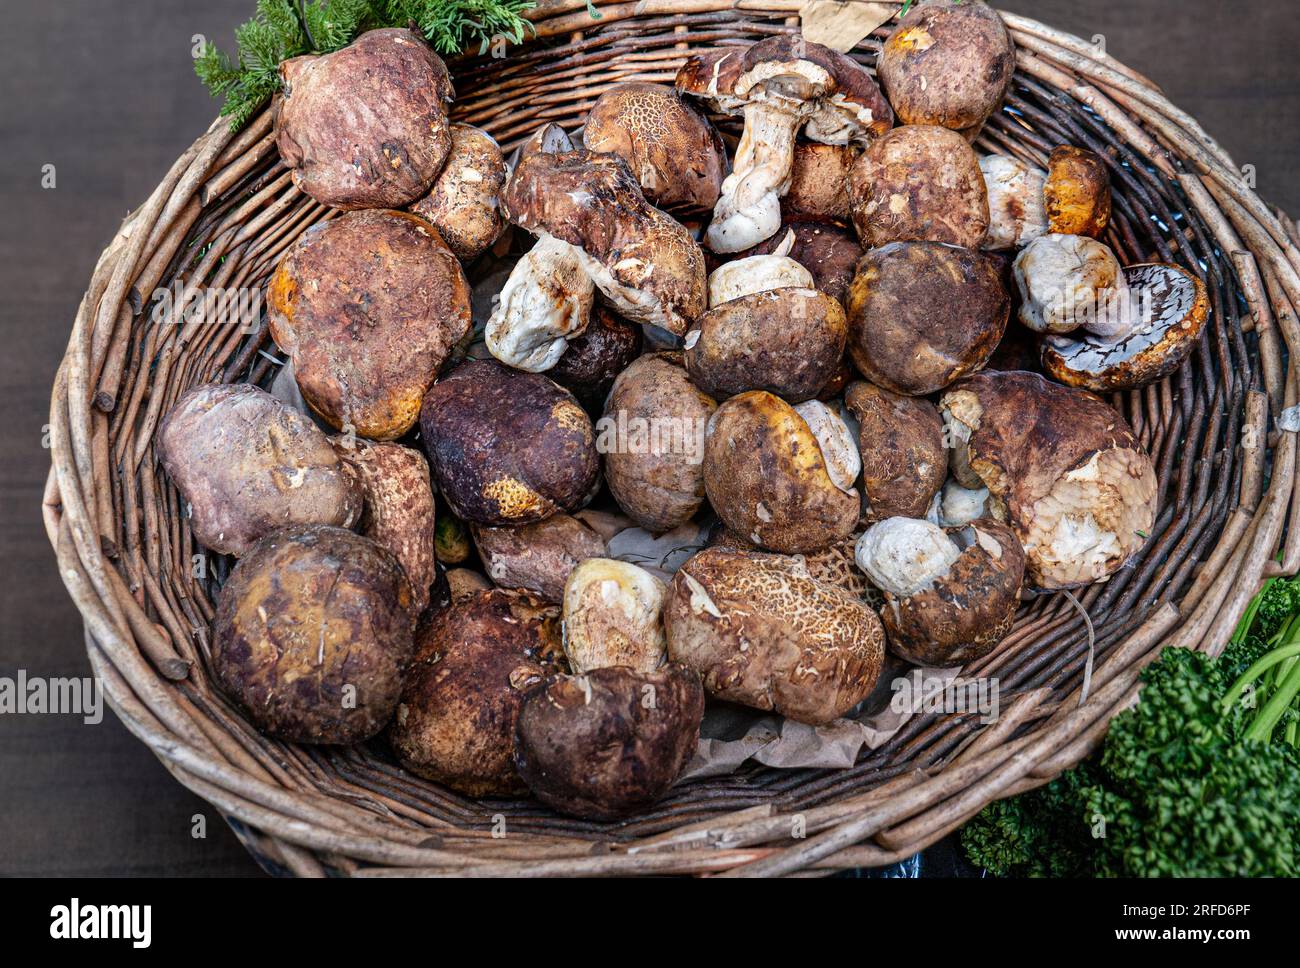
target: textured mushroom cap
1067 282
1016 212
366 126
399 510
756 273
967 610
312 635
762 632
921 315
613 617
904 460
902 556
593 360
464 205
819 183
455 723
1062 468
645 263
785 341
829 252
948 64
368 306
609 743
1077 192
766 477
677 156
537 557
507 447
246 464
656 476
1171 306
919 183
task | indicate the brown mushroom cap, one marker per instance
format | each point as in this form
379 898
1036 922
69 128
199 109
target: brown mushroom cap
675 153
399 510
922 314
835 565
507 447
366 126
464 205
904 459
1062 468
1171 306
786 341
948 64
613 616
829 252
762 632
819 184
368 306
608 743
455 723
313 634
246 464
657 478
965 613
537 557
645 263
768 479
592 361
919 183
1077 192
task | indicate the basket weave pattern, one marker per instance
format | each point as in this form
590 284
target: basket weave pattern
225 214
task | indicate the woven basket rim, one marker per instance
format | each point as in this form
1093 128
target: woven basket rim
112 524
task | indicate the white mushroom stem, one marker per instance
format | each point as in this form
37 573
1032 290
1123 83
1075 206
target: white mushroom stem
837 442
749 209
903 556
757 273
545 302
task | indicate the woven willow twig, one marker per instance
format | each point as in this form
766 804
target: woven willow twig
227 211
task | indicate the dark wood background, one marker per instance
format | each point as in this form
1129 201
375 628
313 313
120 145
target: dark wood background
105 92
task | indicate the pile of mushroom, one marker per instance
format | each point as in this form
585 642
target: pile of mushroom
775 365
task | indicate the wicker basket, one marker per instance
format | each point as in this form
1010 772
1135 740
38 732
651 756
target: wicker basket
227 211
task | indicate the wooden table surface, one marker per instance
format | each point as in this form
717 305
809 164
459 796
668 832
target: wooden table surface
106 94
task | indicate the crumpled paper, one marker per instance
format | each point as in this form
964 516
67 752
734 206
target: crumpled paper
843 25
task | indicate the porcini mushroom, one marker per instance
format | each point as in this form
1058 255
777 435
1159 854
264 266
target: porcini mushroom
537 557
762 632
366 126
1171 306
758 273
951 594
948 64
676 155
782 85
1070 282
922 314
782 476
1062 468
368 306
1017 214
1077 192
829 252
904 460
507 447
464 204
613 617
919 183
819 183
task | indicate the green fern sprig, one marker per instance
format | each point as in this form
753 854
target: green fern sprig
281 29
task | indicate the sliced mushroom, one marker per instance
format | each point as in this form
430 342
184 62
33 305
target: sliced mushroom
919 183
781 476
1070 282
675 153
904 460
968 601
786 341
1062 468
1170 306
613 617
948 64
464 204
781 85
1017 214
922 314
1077 192
762 632
646 264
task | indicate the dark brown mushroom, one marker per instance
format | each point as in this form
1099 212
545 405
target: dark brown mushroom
904 459
537 557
